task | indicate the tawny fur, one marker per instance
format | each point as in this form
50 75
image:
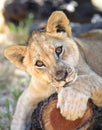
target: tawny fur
80 59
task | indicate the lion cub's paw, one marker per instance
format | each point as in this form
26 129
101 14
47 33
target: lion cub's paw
72 103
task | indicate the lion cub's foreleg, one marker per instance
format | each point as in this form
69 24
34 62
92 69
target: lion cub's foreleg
26 104
23 110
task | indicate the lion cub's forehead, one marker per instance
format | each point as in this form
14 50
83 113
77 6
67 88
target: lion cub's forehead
44 40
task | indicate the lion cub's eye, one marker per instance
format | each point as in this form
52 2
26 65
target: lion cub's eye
59 50
39 63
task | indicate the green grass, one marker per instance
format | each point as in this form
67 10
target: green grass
23 28
8 113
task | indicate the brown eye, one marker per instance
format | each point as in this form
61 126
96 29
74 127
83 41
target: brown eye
58 50
39 63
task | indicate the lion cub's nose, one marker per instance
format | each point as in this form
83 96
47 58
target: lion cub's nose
61 75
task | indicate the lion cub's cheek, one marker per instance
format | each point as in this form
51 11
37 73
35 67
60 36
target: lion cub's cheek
71 57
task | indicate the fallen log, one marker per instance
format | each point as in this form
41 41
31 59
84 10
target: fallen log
47 117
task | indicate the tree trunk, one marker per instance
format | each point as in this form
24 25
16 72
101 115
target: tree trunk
47 117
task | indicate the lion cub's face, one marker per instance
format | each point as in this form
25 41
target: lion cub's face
50 57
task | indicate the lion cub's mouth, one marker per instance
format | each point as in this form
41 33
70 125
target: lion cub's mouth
66 83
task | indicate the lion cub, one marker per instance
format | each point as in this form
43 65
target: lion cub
54 60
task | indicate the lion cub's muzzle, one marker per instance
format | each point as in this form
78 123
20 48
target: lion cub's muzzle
67 74
63 76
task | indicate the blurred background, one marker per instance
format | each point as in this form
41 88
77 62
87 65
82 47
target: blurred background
18 18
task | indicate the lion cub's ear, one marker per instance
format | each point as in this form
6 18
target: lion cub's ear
16 54
58 22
